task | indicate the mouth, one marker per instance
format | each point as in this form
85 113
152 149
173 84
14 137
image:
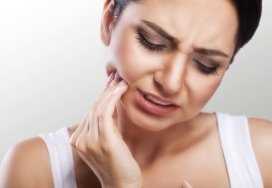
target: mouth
155 104
158 100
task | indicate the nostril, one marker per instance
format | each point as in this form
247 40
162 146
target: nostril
172 88
169 83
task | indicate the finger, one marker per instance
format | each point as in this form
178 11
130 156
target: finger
186 185
102 104
81 141
77 132
115 117
97 110
106 122
114 79
93 132
110 78
112 82
90 124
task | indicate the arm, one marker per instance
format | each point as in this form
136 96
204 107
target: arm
26 165
261 134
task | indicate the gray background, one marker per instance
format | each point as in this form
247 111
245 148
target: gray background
51 68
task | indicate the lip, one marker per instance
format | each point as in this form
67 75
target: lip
154 108
160 98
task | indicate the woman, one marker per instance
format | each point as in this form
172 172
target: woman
165 60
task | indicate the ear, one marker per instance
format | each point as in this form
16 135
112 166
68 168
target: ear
107 22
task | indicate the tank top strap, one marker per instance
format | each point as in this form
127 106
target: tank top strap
238 152
61 158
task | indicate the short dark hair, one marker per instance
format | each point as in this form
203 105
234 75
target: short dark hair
249 15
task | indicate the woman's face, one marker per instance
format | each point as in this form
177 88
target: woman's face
173 55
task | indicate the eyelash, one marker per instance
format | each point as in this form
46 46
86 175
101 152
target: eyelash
158 47
206 70
149 45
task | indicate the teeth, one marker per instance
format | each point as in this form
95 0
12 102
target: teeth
156 101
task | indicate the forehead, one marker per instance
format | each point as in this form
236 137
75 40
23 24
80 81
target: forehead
197 22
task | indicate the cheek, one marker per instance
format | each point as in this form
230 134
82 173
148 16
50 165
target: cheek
130 59
202 87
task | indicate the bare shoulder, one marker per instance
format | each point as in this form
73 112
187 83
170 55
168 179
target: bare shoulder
26 165
261 135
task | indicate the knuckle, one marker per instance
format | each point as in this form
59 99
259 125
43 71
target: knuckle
73 140
102 117
92 147
105 148
80 146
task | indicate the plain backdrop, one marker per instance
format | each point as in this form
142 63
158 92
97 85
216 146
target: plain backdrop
52 68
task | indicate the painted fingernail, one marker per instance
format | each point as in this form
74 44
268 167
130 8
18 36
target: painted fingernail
123 82
186 185
116 76
110 77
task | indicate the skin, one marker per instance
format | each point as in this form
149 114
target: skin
172 74
120 145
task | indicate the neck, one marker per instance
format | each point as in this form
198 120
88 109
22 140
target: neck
146 146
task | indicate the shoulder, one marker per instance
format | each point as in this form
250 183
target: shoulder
261 135
26 164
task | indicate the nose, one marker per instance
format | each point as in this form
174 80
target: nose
172 76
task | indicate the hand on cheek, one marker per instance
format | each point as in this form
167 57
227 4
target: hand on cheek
99 142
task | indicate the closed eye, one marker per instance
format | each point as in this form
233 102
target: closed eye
148 44
205 69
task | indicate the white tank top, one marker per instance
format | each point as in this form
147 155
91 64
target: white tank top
238 152
61 158
235 140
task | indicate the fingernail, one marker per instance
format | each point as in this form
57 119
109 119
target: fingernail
186 185
117 76
110 77
123 82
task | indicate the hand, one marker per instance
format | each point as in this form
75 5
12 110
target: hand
186 185
100 144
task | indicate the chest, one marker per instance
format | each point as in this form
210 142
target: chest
203 166
171 172
199 174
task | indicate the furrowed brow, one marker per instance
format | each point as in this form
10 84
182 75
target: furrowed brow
211 52
159 30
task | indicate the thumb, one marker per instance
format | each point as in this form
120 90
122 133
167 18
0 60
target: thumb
186 185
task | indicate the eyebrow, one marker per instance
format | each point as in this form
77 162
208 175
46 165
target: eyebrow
211 52
158 30
164 34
